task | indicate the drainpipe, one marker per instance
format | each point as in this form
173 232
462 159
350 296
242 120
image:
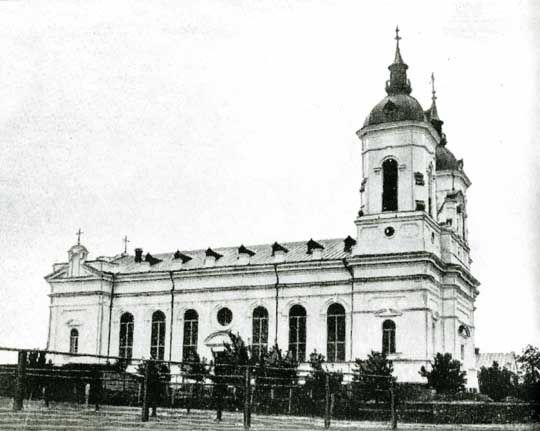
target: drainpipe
277 302
172 315
350 271
110 316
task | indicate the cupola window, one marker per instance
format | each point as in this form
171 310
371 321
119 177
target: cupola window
390 185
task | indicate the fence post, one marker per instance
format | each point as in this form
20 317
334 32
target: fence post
145 407
18 396
247 397
327 400
393 405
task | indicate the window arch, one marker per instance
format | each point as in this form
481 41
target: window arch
388 337
73 341
390 185
260 331
335 338
191 334
157 340
125 348
297 332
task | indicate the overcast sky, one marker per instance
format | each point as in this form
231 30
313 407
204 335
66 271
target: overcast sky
209 123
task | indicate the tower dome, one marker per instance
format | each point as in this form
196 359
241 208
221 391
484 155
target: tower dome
399 105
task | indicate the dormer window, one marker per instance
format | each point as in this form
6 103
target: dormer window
211 257
151 259
244 255
178 255
278 251
314 249
348 244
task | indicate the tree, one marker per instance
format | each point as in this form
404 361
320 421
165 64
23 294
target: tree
195 370
373 377
316 380
496 382
529 369
445 376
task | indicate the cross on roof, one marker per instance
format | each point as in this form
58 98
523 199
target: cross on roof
79 233
433 85
398 37
125 240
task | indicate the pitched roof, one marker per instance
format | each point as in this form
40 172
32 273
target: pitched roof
507 360
125 264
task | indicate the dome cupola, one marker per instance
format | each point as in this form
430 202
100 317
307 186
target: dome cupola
399 105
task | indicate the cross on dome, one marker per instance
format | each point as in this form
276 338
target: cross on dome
79 233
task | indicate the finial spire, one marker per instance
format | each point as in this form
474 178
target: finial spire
397 57
79 233
433 92
398 83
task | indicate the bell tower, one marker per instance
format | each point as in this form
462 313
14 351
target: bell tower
398 191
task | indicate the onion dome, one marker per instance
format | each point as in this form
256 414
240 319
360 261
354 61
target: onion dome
445 159
399 105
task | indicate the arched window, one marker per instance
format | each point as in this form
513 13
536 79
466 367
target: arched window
157 340
335 339
390 185
191 333
260 331
74 341
297 332
388 337
125 349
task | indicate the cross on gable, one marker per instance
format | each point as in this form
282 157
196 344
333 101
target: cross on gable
125 240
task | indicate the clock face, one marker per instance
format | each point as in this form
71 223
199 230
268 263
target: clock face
389 231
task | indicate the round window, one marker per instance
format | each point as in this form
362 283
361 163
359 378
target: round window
389 231
224 316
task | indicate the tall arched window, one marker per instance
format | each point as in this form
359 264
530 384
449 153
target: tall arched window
157 340
388 337
125 349
260 331
390 185
191 334
335 339
74 341
297 332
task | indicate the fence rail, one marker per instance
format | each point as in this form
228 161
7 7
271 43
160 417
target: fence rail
253 388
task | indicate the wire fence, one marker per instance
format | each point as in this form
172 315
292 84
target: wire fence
95 380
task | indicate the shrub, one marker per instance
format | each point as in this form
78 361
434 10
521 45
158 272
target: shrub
445 375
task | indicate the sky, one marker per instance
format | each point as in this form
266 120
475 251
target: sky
191 124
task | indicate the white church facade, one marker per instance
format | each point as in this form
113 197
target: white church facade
402 284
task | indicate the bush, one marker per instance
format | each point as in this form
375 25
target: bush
497 382
445 376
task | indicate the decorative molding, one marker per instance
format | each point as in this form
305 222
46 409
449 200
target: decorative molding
388 312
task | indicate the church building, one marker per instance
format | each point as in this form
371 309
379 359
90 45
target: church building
401 284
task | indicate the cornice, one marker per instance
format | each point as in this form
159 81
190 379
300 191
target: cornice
399 125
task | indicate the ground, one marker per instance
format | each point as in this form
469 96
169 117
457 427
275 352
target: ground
111 418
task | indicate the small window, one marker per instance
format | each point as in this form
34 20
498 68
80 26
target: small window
389 337
297 333
157 336
449 221
419 178
224 316
462 353
260 331
191 333
390 185
125 349
74 341
420 206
